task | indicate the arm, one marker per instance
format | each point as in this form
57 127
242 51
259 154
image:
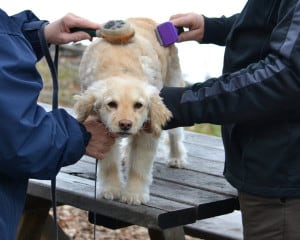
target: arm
35 143
203 29
217 29
28 24
267 90
57 32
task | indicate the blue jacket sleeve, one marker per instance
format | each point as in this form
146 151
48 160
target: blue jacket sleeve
33 143
29 25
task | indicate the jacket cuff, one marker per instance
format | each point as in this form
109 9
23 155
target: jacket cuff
172 98
212 31
31 32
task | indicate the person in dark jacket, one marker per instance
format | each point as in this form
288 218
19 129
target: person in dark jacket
257 102
35 143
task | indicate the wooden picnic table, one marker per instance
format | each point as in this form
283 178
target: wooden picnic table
178 196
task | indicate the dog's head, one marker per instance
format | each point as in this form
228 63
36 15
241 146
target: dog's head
123 105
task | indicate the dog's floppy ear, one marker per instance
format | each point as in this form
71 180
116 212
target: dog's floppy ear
159 113
84 105
85 102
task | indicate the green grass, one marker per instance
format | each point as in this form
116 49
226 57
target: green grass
69 86
205 128
68 82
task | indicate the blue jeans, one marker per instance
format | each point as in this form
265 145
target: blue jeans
270 218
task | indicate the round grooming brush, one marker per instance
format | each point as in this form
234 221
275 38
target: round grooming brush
114 31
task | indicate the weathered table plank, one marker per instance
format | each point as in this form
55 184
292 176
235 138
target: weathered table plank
174 192
79 192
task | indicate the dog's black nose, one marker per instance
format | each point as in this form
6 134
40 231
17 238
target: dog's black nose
125 124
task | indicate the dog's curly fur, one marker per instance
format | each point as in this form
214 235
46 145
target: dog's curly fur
121 84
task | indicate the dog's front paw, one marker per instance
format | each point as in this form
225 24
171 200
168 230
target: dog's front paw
111 193
177 163
135 198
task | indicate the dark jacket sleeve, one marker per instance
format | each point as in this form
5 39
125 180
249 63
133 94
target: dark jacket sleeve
217 29
33 143
267 90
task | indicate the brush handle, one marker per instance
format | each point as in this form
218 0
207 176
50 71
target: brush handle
112 28
91 32
114 31
179 30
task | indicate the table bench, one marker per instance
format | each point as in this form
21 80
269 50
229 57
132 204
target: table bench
179 197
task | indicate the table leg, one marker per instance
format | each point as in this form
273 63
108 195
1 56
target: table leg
33 218
36 223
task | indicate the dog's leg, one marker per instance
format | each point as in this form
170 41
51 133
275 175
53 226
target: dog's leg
140 161
109 174
177 149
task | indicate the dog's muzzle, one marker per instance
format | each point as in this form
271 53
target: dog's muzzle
125 125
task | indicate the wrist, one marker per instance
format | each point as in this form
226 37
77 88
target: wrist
202 28
31 33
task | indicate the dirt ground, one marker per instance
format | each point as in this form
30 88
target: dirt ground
75 224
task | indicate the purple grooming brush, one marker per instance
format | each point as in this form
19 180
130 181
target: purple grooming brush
167 33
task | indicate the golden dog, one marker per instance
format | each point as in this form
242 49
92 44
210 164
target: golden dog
120 84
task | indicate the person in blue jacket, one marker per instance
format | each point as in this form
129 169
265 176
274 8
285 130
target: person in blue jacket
256 100
35 143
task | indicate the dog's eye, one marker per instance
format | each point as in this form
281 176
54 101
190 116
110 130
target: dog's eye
112 104
138 105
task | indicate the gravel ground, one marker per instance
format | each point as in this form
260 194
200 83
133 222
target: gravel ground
75 224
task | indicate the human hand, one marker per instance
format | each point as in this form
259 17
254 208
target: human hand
194 22
58 32
101 139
